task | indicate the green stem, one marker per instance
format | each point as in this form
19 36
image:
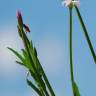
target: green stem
46 79
86 33
70 48
47 82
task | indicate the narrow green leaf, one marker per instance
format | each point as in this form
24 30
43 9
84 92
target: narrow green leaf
34 87
27 60
75 89
39 67
23 61
35 59
45 79
20 63
31 44
17 54
24 53
33 55
35 52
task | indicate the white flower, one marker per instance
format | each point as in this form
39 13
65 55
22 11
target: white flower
70 2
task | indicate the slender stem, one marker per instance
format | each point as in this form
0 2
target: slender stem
70 48
47 83
46 80
86 33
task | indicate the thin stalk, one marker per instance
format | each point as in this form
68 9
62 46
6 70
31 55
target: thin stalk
47 82
70 48
86 33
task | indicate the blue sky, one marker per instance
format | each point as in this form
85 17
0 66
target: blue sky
48 21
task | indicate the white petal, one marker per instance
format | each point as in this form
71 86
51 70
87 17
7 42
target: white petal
76 2
68 2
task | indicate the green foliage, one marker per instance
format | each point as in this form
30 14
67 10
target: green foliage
29 60
75 89
29 57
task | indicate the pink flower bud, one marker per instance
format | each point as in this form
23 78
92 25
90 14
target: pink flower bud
19 17
26 28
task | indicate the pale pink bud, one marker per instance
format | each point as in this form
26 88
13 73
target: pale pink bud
19 17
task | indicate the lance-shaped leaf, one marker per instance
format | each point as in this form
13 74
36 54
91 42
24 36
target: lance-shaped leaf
34 87
36 80
18 62
42 86
22 59
75 89
86 33
33 53
36 59
26 59
17 54
31 44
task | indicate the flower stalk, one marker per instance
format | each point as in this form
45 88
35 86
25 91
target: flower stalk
86 34
75 89
70 48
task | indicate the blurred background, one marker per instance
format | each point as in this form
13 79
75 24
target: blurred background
49 22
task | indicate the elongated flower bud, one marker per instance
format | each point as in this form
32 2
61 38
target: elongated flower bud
26 28
19 18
